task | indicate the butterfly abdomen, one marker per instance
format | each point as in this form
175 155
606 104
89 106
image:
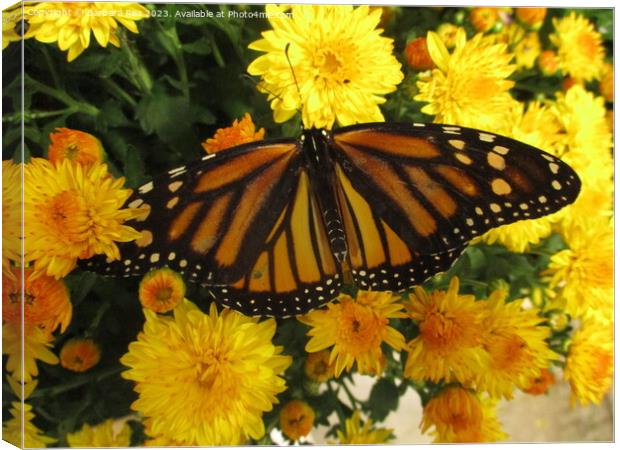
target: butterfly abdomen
323 180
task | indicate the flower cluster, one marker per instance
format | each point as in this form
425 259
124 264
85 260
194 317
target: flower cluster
72 209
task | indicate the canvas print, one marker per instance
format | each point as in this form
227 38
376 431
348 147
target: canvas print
231 224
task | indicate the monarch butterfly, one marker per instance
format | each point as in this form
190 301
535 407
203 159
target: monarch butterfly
272 227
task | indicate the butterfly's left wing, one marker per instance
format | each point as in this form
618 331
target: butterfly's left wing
413 196
244 222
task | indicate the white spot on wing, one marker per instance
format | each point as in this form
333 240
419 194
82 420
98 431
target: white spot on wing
146 188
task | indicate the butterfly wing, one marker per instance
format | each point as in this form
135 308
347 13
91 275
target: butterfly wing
412 196
242 221
295 270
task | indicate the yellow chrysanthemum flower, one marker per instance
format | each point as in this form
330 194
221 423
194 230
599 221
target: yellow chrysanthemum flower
155 440
469 87
10 18
515 339
590 362
45 301
527 50
79 354
70 23
580 47
606 86
161 290
36 345
356 432
109 433
449 344
584 273
458 415
75 145
339 61
519 236
355 329
296 419
588 144
32 436
72 212
240 132
582 116
11 215
448 32
205 379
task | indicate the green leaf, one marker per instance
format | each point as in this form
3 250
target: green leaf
201 46
80 285
133 167
171 118
383 399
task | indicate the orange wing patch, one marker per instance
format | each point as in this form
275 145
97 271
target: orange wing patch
394 144
252 200
297 250
225 174
357 210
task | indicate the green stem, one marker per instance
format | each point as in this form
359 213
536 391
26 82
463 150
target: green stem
541 253
182 69
476 283
95 322
33 115
76 382
339 412
50 65
177 55
65 98
352 399
119 92
43 413
138 74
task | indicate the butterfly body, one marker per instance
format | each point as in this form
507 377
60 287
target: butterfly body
273 227
316 146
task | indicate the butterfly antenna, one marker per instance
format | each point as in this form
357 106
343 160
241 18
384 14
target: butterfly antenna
288 59
259 85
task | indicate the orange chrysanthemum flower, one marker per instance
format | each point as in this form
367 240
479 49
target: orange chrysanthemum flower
296 419
45 303
548 63
459 415
240 132
161 290
417 54
79 354
534 17
483 19
74 145
317 366
540 384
